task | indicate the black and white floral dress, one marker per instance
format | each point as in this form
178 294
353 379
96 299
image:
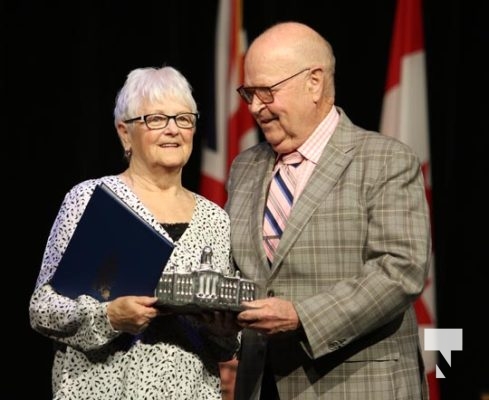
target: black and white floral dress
175 358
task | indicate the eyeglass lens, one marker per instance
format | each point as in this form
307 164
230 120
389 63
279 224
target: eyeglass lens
264 93
159 121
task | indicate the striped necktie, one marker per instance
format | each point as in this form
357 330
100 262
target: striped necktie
279 201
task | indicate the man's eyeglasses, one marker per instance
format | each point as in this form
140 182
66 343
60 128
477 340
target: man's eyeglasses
160 121
264 93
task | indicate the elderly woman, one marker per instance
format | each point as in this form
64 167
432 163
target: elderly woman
127 348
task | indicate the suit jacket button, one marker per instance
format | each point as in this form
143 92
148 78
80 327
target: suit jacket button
334 345
270 293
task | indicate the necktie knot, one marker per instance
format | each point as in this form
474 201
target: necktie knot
294 158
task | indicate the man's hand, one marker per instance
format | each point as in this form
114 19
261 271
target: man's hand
271 315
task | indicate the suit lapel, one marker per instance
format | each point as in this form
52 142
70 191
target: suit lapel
262 174
334 160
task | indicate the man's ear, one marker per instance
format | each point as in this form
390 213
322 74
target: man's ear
316 83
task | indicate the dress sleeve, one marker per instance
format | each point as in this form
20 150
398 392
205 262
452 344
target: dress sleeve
81 323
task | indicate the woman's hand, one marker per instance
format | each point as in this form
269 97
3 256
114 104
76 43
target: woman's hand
132 314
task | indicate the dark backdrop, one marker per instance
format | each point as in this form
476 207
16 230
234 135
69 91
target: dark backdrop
63 62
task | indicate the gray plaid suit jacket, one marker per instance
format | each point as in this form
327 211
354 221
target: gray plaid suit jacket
353 258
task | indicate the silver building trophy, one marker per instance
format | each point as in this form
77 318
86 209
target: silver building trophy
203 288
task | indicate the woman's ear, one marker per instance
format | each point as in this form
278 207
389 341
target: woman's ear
124 135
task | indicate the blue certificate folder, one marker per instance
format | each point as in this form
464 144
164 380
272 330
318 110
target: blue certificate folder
113 252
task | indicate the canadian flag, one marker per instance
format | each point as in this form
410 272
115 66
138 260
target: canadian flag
233 130
405 116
